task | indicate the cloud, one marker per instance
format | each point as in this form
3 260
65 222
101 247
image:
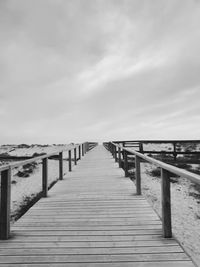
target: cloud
99 69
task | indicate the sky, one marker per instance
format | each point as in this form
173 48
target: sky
99 70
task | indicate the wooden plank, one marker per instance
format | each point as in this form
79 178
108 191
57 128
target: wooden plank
94 258
91 215
55 226
89 223
88 233
93 219
108 208
107 264
106 221
63 238
89 251
94 244
98 204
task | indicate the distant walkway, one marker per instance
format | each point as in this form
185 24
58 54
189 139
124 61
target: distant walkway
91 218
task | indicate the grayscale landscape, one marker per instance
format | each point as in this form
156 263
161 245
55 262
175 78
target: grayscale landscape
100 133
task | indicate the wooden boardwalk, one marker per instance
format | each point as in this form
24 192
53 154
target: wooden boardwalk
91 218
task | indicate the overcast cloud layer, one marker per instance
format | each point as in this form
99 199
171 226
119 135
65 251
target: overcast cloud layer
99 70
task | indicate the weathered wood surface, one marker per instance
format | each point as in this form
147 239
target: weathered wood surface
92 217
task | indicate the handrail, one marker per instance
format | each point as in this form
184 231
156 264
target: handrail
159 141
6 179
166 170
180 172
175 151
23 162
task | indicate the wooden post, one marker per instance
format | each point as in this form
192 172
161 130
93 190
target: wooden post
75 160
45 177
125 163
86 147
110 147
5 204
79 152
166 204
119 157
138 175
82 150
141 147
61 165
70 160
122 153
115 153
174 153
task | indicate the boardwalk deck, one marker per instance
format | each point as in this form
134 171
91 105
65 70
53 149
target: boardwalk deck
91 218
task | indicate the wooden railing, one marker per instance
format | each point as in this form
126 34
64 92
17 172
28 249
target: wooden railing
6 171
166 171
91 145
139 145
